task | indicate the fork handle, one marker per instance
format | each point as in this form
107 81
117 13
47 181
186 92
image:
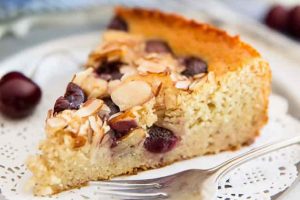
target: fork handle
231 164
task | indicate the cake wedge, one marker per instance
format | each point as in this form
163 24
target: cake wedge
158 89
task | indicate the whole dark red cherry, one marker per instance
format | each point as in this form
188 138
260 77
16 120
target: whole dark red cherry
19 95
277 18
294 21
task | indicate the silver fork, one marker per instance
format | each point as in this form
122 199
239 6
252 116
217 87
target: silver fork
190 184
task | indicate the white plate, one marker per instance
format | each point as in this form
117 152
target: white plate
18 139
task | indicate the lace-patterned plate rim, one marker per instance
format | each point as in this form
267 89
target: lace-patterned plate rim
249 178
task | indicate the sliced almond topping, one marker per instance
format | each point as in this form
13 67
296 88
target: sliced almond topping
108 51
198 82
157 63
178 77
156 88
199 75
96 125
67 115
80 77
95 87
90 107
92 85
84 128
117 115
73 125
113 85
56 123
131 94
150 66
127 71
132 139
183 84
174 77
122 115
104 112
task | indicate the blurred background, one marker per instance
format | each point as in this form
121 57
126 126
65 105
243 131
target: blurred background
27 22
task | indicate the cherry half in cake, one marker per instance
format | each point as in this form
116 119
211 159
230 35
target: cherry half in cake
160 140
158 89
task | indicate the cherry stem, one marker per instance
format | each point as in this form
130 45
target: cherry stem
33 70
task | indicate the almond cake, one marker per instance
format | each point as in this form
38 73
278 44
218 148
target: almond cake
158 89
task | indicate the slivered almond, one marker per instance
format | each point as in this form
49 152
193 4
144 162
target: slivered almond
174 77
157 89
127 70
149 66
83 130
183 84
116 115
121 115
80 77
113 85
67 115
96 125
197 83
132 139
131 94
73 125
108 51
90 107
95 87
56 123
104 112
197 76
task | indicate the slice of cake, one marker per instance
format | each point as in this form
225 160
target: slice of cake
159 89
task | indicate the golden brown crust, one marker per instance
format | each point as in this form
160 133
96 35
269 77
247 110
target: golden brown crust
188 37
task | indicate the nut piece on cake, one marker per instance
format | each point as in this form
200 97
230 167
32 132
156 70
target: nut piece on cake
148 98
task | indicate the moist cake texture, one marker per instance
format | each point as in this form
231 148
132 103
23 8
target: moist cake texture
158 89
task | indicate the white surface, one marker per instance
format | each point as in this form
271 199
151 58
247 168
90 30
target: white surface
19 139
